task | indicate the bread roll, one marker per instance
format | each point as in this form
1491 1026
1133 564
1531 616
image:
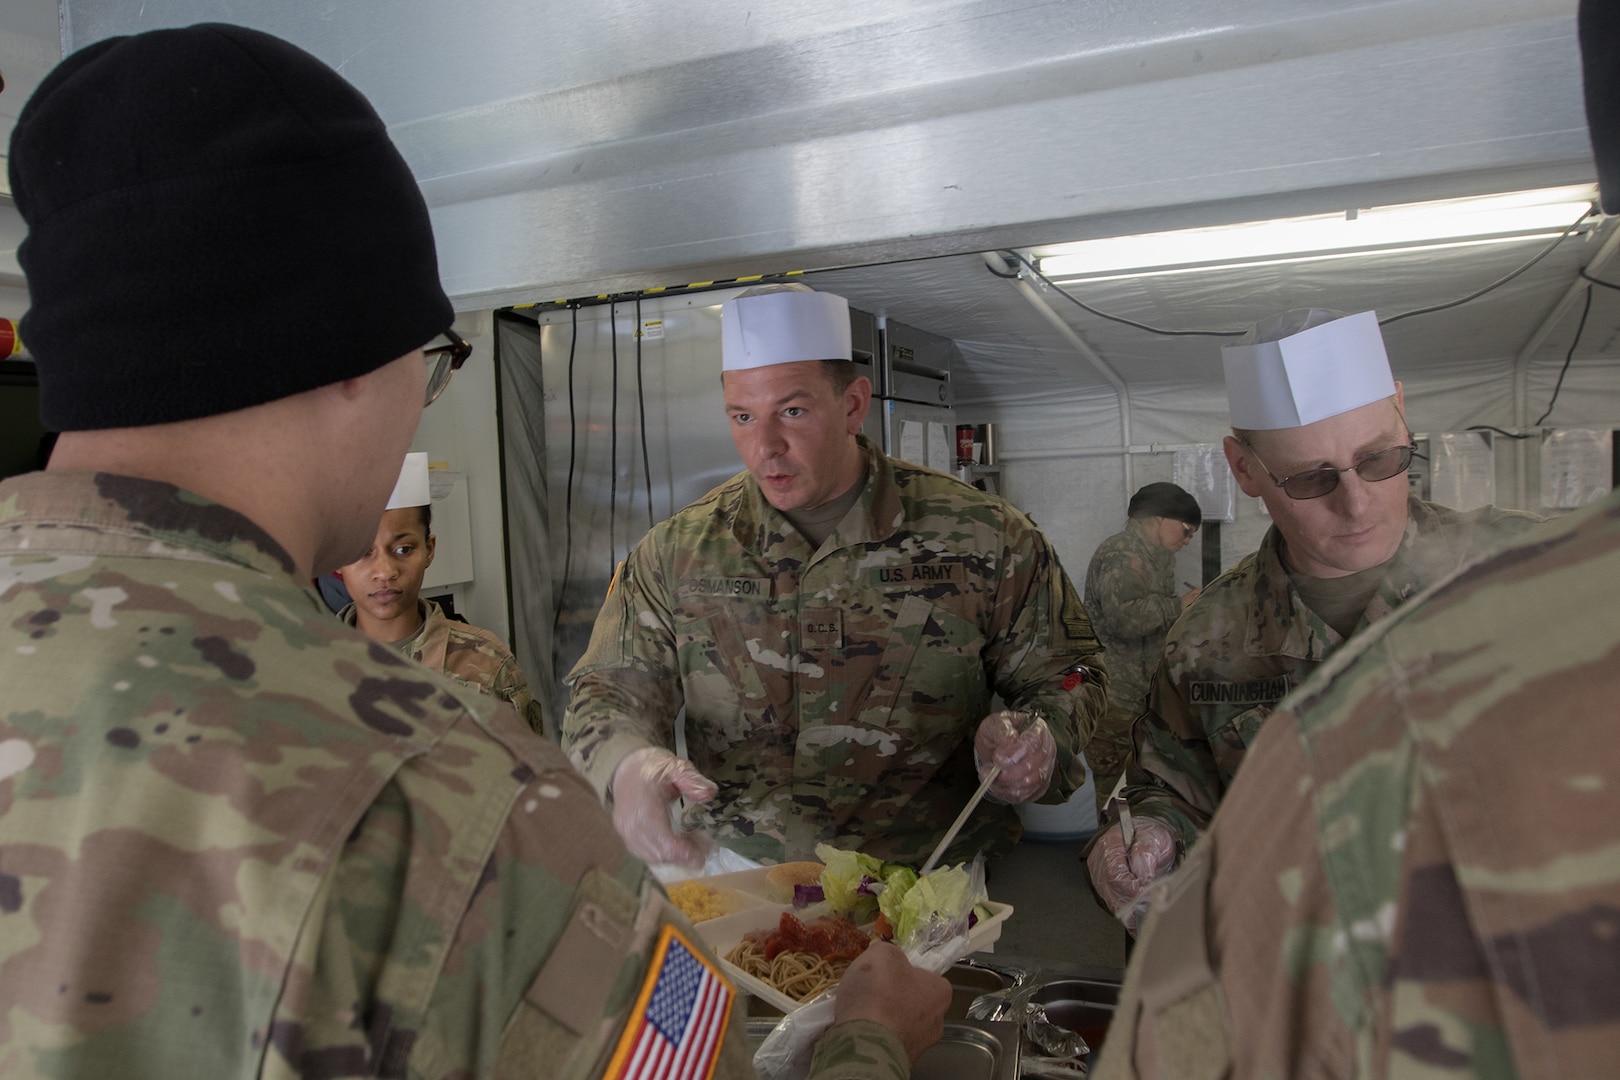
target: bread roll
783 878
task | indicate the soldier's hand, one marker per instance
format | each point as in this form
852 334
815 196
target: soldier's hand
645 786
1120 878
882 985
1189 596
1024 748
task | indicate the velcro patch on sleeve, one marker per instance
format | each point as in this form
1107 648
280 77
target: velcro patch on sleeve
679 1020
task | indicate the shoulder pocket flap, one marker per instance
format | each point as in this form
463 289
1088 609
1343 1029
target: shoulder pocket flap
1181 997
582 969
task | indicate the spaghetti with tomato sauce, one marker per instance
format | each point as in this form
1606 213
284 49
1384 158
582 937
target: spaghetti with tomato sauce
798 958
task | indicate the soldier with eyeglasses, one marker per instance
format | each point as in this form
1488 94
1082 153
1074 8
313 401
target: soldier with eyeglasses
1320 437
237 837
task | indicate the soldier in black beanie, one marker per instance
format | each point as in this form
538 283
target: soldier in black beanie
1166 501
218 228
209 230
1132 597
237 837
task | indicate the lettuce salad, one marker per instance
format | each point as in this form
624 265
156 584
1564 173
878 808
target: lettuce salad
918 910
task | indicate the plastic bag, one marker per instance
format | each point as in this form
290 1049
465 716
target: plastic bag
720 860
935 944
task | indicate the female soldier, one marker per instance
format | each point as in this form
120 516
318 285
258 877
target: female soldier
385 586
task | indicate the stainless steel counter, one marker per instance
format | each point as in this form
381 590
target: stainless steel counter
1056 917
969 1050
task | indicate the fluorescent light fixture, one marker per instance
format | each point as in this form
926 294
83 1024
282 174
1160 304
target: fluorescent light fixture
1491 218
1314 257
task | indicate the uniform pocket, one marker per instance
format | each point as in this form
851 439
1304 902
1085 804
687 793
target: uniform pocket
1232 736
1182 1013
926 681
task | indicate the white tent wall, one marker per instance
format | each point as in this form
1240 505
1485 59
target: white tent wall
460 430
30 45
13 302
13 288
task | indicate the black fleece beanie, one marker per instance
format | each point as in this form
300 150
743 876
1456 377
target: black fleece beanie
1166 501
216 219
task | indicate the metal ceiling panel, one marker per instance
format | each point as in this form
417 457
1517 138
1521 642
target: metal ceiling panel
570 148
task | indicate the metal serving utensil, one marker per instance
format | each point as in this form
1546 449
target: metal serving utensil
1014 1003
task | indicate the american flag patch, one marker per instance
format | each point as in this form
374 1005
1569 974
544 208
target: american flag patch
680 1017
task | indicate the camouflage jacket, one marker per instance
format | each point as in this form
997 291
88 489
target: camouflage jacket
468 654
238 839
833 694
1415 874
1249 639
1131 598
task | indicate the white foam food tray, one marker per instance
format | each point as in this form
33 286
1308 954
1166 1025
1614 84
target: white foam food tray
726 931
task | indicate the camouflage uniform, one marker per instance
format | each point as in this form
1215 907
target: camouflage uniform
1249 639
239 839
1415 873
468 654
833 694
1131 597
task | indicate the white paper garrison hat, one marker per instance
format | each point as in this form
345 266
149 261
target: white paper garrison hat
1309 376
783 327
412 487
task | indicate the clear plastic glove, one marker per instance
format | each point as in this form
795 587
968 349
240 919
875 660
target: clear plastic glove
1122 879
645 787
1024 748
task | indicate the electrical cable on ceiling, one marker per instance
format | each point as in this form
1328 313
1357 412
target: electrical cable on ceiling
1586 309
1500 431
641 410
1114 318
613 439
1498 283
568 498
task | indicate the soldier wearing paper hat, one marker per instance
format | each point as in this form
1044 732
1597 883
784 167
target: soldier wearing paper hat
385 583
1319 435
783 324
1304 366
410 490
793 588
771 337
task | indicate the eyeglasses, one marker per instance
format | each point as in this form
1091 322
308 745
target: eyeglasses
1188 530
1315 483
443 361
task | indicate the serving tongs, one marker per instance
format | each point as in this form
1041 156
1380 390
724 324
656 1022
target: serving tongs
961 819
1014 1004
